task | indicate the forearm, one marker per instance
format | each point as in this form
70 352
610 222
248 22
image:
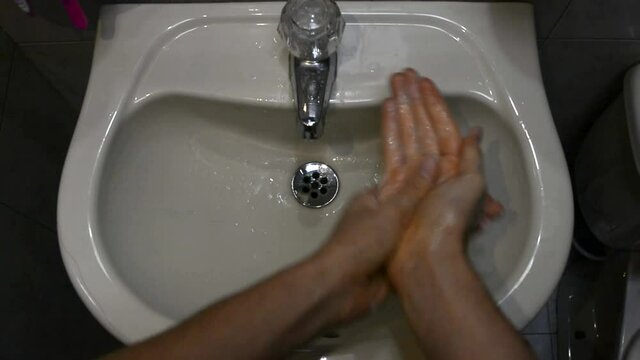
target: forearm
453 315
262 322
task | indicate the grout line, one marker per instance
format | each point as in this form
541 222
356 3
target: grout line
538 333
27 217
594 39
555 25
46 79
41 43
550 340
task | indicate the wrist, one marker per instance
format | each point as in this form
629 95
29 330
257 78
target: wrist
330 270
417 272
419 256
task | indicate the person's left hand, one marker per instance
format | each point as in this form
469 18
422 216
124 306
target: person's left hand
375 220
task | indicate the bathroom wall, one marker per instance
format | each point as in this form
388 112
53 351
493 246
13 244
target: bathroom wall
585 48
42 316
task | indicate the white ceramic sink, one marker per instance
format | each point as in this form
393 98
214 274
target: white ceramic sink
177 187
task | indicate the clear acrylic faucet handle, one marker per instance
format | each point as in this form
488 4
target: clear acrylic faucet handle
311 28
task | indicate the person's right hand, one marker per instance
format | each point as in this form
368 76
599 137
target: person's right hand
444 217
451 207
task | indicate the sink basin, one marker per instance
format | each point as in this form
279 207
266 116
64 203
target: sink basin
177 187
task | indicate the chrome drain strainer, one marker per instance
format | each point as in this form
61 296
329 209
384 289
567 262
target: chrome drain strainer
315 184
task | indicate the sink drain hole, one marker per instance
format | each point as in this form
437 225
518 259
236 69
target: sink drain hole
315 184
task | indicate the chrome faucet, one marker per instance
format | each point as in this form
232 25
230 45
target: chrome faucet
312 31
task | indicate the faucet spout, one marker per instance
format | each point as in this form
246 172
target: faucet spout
312 82
312 31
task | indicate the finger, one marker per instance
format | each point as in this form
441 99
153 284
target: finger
393 154
427 140
405 116
471 158
419 179
491 208
445 128
471 162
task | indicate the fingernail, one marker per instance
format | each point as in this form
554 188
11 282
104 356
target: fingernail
428 167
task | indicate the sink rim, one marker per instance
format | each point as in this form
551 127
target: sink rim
82 168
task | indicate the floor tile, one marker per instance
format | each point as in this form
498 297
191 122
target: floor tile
65 65
598 19
540 323
581 78
552 311
43 316
35 133
542 345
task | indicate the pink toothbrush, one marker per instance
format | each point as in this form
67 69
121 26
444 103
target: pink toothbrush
76 14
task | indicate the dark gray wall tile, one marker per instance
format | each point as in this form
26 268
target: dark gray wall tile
50 22
600 19
34 136
6 55
581 78
547 14
43 317
66 66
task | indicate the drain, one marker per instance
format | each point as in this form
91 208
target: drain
315 184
